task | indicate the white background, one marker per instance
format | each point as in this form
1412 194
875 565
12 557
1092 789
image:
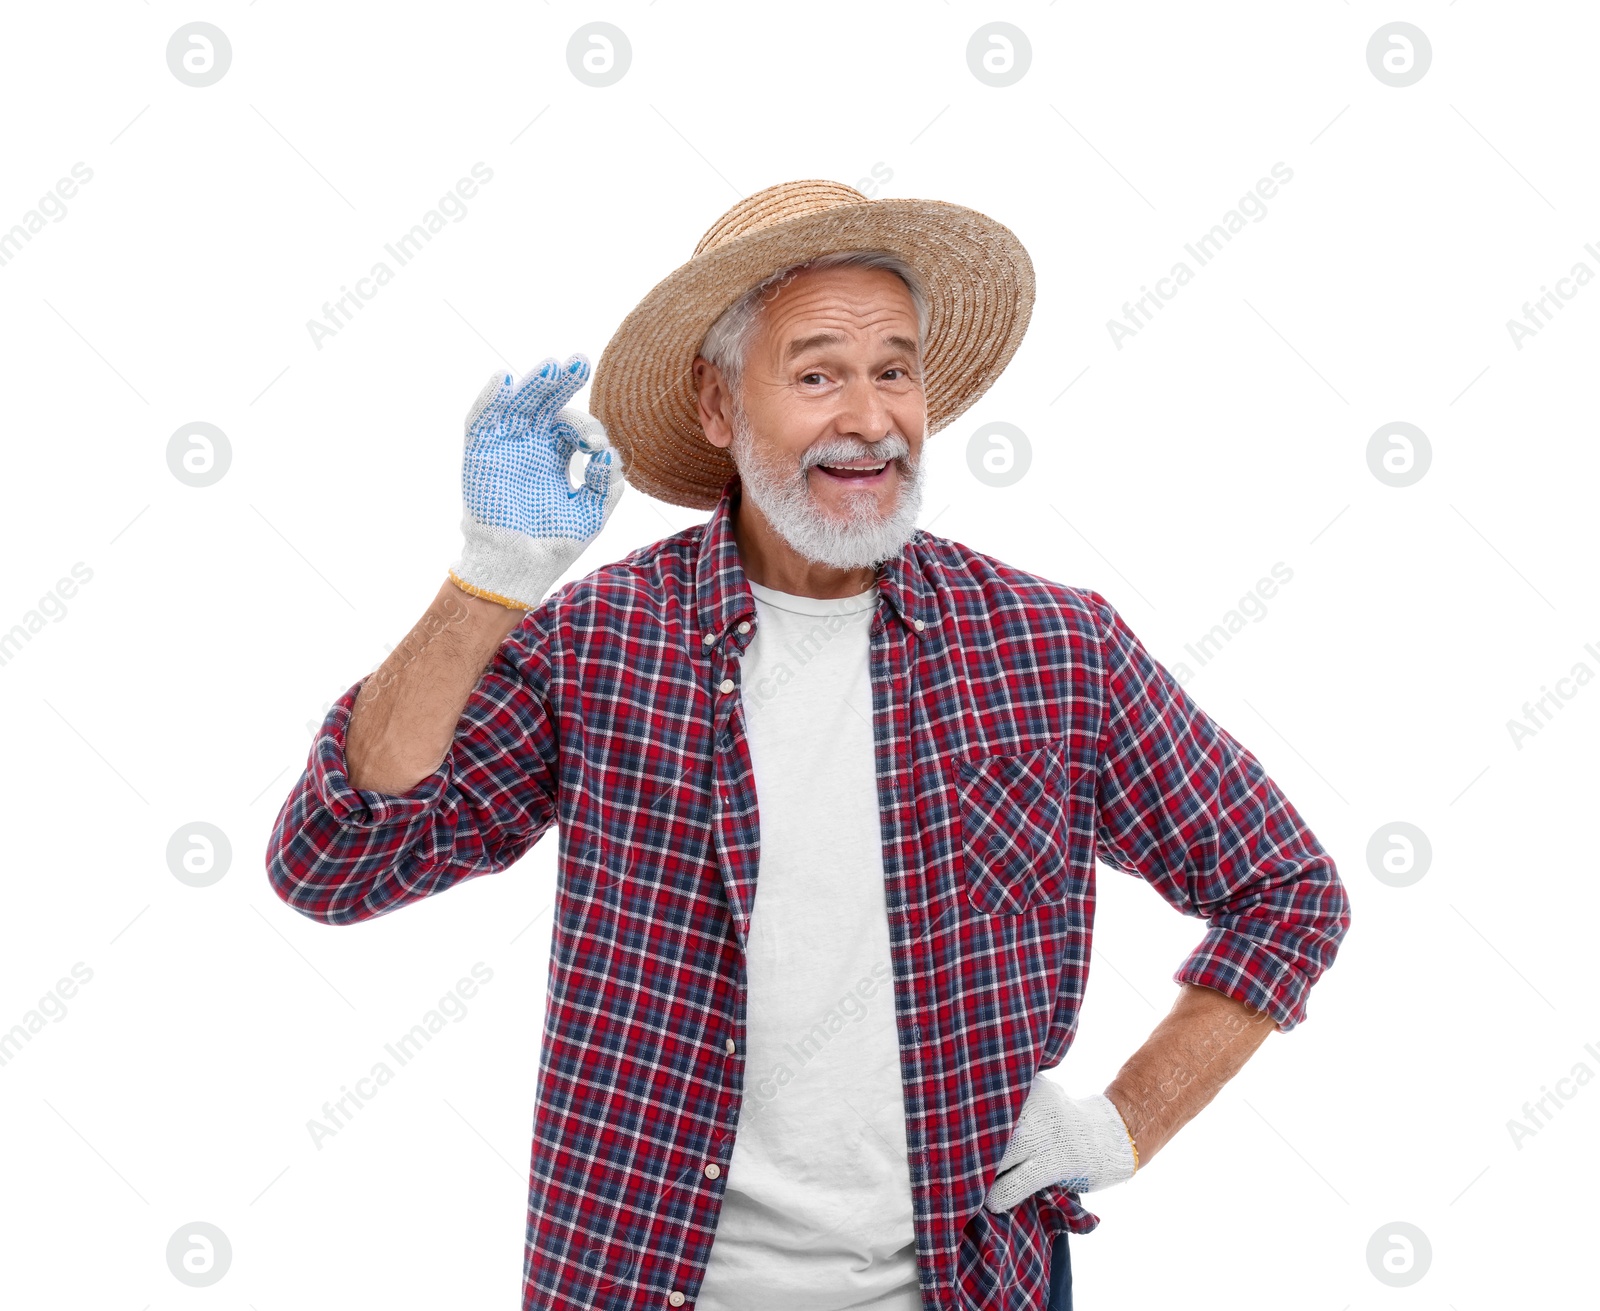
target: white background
182 682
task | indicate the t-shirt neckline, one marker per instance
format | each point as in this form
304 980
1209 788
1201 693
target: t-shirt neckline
815 605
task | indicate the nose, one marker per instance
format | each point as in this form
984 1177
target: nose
863 411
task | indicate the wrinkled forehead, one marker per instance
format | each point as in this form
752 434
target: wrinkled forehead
850 300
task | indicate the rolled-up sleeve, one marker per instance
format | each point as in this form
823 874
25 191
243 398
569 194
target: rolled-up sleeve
341 854
1187 808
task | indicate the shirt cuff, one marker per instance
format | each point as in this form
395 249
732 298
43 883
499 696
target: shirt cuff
356 807
1250 971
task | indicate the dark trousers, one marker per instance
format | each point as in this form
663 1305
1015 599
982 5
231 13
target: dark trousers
1060 1276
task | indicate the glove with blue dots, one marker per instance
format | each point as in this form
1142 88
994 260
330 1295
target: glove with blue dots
523 522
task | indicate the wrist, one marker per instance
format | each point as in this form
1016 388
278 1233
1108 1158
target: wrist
509 606
1126 1127
471 627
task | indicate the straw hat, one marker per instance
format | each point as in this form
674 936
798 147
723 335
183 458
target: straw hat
979 283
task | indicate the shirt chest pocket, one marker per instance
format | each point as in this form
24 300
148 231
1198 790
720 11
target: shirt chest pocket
1012 811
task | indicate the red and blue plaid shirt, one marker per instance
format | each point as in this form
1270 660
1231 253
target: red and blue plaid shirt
1021 731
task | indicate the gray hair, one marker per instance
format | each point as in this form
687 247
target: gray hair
727 342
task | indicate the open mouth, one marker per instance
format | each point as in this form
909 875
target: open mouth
855 471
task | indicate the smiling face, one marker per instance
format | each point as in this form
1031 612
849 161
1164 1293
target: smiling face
827 427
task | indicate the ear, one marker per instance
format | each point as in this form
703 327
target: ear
715 403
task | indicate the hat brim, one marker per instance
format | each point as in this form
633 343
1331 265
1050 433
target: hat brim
980 289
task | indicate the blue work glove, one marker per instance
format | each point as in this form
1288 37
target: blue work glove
1080 1142
523 522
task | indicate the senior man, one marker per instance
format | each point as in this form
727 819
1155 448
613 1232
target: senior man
830 792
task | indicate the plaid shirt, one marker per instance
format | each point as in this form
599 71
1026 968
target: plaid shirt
1021 731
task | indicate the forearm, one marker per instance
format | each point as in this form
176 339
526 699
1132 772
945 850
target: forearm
1201 1043
406 714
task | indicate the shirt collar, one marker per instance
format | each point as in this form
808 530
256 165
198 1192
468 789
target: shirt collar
723 596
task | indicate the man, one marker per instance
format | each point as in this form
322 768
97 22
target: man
830 792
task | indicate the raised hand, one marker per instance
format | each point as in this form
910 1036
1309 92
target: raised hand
523 522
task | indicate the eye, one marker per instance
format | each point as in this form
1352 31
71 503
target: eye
807 377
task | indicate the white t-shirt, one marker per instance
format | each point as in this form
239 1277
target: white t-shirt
817 1215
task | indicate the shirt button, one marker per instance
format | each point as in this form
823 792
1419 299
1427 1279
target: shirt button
920 625
674 1298
729 1045
744 626
727 685
708 639
713 1170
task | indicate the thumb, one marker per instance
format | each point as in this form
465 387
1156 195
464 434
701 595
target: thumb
1017 1151
1009 1189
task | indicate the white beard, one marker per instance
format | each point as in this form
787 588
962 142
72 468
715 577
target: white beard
864 537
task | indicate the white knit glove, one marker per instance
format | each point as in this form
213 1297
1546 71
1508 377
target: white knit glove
522 522
1081 1143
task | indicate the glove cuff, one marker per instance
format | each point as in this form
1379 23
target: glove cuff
510 568
1113 1141
510 603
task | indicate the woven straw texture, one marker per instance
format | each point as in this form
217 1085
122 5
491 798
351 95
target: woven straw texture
979 281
